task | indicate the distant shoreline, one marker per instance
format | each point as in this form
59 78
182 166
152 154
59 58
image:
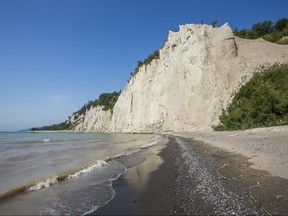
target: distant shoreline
53 131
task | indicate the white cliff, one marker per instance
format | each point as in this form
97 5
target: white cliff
195 76
94 120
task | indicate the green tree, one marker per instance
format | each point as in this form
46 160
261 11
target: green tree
148 60
108 100
263 28
214 23
281 24
266 30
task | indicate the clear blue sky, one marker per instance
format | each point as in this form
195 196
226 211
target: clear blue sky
55 55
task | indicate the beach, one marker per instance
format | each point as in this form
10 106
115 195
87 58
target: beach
227 173
239 172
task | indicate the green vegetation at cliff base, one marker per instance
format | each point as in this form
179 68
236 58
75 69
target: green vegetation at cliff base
261 102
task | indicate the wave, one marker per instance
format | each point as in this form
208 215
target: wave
43 184
73 173
126 153
135 150
50 180
83 196
94 208
150 144
98 164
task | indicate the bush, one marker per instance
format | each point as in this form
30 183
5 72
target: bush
261 102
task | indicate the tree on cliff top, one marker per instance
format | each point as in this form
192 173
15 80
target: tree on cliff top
106 100
266 30
263 28
214 23
281 24
148 60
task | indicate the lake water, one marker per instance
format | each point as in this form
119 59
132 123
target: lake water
62 173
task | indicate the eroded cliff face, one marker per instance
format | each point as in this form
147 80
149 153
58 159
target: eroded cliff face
186 88
94 120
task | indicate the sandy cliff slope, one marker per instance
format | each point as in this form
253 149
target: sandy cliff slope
186 88
94 120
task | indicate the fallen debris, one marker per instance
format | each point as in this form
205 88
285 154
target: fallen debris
220 175
232 135
258 204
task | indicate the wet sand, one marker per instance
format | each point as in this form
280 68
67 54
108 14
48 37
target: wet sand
187 176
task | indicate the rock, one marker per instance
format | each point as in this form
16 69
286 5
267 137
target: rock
198 70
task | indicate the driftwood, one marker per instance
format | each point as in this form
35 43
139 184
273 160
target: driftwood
258 204
221 176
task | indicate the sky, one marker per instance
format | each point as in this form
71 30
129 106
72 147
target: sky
55 55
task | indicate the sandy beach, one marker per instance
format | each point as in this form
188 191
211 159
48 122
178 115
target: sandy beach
239 172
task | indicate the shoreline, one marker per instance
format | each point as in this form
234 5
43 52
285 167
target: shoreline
133 182
52 131
266 148
173 187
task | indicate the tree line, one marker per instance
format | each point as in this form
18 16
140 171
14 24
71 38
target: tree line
106 100
273 32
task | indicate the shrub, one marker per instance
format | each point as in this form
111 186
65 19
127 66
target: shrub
261 102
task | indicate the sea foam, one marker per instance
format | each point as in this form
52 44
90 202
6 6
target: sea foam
149 144
98 164
44 184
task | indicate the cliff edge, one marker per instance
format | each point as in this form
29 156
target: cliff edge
198 70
